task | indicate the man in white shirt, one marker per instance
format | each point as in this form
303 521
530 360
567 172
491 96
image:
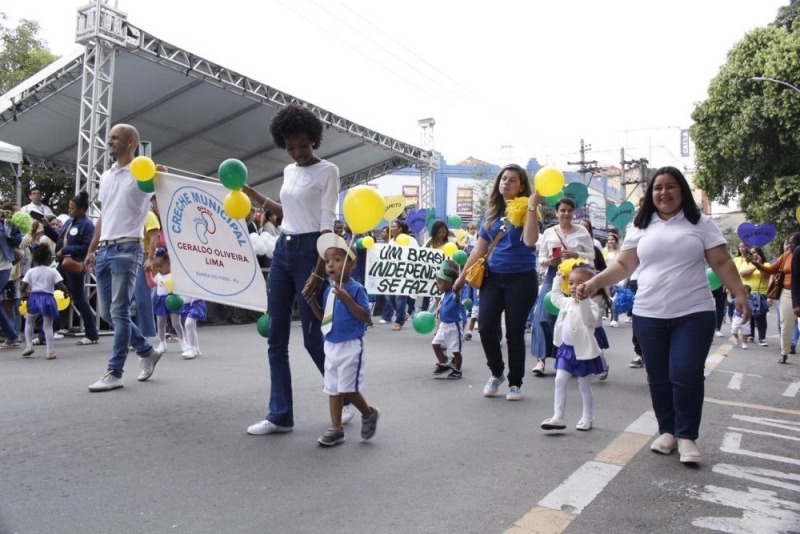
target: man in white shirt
115 256
36 205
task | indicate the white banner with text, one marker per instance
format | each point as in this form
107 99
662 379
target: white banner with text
396 270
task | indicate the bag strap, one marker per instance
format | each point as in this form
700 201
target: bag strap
497 238
561 239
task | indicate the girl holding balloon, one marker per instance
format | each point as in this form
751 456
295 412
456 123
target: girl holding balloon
40 282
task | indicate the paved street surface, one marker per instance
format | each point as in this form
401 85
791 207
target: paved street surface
172 455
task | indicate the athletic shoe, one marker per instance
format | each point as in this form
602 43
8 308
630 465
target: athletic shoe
602 376
468 336
331 437
490 389
162 347
455 374
190 354
106 383
613 324
664 444
265 427
763 343
149 365
553 424
538 369
27 352
584 425
441 368
58 336
348 412
514 394
382 321
689 452
744 346
369 423
628 319
636 363
718 333
792 349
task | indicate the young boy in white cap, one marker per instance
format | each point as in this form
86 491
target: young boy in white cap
343 325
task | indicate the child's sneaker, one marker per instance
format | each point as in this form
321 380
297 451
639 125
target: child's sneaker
27 352
331 437
441 368
584 425
369 423
490 390
744 346
455 374
553 424
468 336
636 363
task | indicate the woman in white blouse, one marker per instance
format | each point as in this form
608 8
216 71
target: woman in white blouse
566 240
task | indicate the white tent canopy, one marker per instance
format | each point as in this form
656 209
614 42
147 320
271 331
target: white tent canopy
10 153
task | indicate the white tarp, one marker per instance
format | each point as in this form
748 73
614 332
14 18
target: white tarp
10 153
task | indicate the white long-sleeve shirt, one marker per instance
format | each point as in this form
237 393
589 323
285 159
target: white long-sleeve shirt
309 196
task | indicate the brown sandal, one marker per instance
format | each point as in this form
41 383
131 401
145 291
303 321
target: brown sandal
396 327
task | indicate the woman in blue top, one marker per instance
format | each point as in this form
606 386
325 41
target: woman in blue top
74 240
511 284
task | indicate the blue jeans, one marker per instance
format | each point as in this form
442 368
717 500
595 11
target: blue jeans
386 308
674 352
400 305
115 270
11 332
76 285
294 259
143 298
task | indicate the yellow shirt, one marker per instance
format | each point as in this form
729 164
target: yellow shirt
151 223
757 282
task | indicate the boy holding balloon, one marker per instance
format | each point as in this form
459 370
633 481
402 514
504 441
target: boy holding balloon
451 320
343 325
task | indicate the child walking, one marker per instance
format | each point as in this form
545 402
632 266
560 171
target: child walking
40 283
163 280
343 325
742 331
578 352
451 318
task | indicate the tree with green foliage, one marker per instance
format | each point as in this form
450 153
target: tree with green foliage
747 133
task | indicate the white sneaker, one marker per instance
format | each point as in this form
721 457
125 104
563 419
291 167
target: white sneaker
613 324
162 347
744 346
348 412
106 383
58 336
627 319
383 321
719 333
584 425
149 365
184 346
262 428
514 394
190 353
553 424
490 390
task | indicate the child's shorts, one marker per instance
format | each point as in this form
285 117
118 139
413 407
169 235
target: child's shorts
344 367
737 326
449 336
474 313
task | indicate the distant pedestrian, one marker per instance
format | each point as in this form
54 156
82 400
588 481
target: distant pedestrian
449 334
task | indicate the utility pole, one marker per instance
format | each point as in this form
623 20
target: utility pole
629 164
585 166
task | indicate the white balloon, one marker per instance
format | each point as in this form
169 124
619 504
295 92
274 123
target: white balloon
270 242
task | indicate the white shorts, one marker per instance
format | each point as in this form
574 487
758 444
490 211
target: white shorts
474 312
344 367
449 336
737 327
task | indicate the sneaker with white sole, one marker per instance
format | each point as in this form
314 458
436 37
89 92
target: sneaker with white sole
162 347
190 354
468 336
762 343
348 412
58 336
584 425
636 363
514 394
490 389
383 321
613 324
538 369
149 365
107 383
553 424
689 452
718 333
441 368
369 423
262 428
331 437
602 376
744 346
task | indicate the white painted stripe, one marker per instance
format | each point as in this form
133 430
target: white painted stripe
715 358
580 489
769 477
768 421
762 433
792 390
732 443
646 424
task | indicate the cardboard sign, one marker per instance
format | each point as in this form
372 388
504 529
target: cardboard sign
396 270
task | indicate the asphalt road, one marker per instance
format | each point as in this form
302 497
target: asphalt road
172 455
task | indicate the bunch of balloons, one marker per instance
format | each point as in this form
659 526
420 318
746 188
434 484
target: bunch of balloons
365 243
363 208
233 175
548 181
263 244
144 170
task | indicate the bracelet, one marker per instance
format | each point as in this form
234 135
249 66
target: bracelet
318 277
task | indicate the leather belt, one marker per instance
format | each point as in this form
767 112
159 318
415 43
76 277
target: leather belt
109 242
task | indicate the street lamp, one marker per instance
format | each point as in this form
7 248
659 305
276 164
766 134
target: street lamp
773 80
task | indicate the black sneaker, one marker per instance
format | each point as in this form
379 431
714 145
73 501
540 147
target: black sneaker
369 423
441 368
636 363
792 350
454 374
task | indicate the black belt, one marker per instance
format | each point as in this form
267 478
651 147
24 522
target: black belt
109 242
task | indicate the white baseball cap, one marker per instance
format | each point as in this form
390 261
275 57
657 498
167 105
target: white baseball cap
331 240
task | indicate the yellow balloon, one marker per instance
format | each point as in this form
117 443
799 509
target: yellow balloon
368 242
62 302
169 285
548 181
394 207
403 240
143 168
449 249
23 308
797 214
237 205
363 208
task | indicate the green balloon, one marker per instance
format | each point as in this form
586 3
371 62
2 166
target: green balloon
424 323
551 308
148 186
468 305
360 243
460 257
713 279
551 201
174 302
454 221
263 325
232 174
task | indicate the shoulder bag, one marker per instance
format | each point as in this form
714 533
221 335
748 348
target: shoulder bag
477 271
68 263
776 284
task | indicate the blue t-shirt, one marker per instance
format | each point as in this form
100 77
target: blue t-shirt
511 255
450 308
345 325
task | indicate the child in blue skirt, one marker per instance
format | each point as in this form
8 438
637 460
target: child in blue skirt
163 280
40 282
578 351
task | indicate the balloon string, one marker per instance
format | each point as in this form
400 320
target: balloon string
184 171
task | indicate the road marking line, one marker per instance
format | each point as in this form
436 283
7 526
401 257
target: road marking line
580 489
645 424
752 406
732 443
542 521
622 450
763 433
737 378
792 390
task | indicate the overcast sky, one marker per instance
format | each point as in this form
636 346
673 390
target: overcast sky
505 79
